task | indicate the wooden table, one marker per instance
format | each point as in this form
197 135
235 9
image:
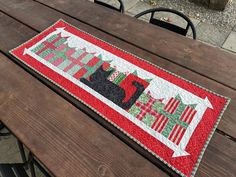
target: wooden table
67 137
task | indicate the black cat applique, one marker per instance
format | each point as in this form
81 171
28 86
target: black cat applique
99 82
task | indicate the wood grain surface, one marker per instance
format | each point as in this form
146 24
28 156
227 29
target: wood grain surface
22 9
38 120
203 59
65 139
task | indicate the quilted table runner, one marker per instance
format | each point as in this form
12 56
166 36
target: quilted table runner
170 117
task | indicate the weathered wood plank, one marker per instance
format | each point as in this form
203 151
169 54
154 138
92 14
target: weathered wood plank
6 92
218 160
206 60
89 154
65 139
40 22
7 40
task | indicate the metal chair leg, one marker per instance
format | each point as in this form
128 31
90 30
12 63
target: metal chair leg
5 134
22 151
29 163
1 128
32 170
45 173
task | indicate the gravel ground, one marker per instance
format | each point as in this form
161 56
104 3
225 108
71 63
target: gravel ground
225 19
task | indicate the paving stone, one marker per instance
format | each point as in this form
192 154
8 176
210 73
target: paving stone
8 150
210 34
195 21
230 43
219 48
9 153
111 2
234 28
140 7
127 3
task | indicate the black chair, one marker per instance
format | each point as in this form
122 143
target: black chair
17 169
1 126
20 145
169 26
120 9
5 133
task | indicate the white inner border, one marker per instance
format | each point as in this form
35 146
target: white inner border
158 87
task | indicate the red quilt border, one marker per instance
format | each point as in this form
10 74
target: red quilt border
182 165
